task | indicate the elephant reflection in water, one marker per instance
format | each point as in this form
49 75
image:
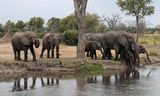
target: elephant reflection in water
18 87
92 79
124 76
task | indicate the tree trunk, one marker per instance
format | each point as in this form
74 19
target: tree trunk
80 13
137 24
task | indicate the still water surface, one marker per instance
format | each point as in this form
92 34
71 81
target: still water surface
142 82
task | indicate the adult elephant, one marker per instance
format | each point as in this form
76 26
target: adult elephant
24 41
91 47
122 40
50 42
117 40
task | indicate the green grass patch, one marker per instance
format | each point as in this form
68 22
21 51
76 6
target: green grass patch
149 40
89 68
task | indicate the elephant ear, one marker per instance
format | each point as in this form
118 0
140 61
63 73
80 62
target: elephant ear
26 41
122 41
51 39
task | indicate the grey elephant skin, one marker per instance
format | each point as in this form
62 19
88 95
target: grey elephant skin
144 51
117 40
91 47
50 42
24 41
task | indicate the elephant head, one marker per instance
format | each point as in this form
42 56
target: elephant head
144 51
31 38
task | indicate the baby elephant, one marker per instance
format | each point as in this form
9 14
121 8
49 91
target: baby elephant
50 42
91 47
144 51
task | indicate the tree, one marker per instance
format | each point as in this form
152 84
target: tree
9 27
113 21
137 8
142 26
93 23
80 13
53 24
36 23
1 28
68 23
20 25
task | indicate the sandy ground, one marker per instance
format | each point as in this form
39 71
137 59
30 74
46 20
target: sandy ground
6 52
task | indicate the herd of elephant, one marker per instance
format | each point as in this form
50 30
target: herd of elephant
123 43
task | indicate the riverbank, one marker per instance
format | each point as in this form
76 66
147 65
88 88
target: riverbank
66 64
57 66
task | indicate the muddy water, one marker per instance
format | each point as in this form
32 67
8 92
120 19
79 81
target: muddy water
142 82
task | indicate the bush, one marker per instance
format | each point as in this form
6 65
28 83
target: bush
2 34
71 37
41 34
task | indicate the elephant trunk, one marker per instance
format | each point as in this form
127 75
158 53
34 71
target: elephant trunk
36 43
101 52
147 56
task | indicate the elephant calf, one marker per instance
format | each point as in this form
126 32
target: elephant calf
24 41
91 47
49 42
140 49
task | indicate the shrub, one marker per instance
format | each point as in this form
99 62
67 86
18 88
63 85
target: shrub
41 34
71 37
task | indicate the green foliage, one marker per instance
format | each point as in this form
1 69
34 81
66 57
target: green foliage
53 24
68 23
150 40
93 23
136 7
41 34
35 23
1 28
89 68
9 27
71 37
20 25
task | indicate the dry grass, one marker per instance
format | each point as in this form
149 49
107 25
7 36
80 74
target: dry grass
6 52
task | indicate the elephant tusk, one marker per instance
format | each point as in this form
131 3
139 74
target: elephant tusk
34 41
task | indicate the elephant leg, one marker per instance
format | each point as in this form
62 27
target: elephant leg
88 54
104 54
15 54
33 53
19 55
25 83
42 82
52 55
117 55
33 82
91 53
26 54
43 49
109 54
95 54
48 53
57 51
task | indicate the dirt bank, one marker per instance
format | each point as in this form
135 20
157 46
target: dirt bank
66 63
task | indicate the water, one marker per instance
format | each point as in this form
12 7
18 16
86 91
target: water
142 82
